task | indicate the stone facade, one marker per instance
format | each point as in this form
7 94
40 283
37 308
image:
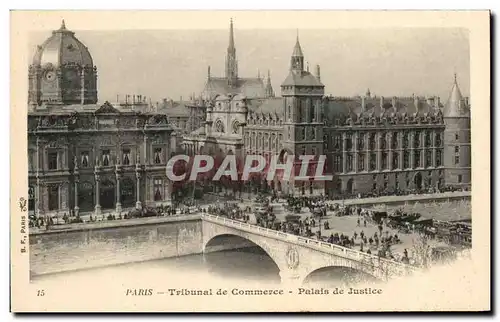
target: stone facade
372 144
88 157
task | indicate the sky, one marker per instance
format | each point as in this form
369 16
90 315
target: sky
173 63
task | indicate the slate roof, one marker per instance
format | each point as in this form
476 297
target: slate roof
249 87
301 78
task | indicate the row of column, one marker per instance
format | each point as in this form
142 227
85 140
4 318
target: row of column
389 151
98 192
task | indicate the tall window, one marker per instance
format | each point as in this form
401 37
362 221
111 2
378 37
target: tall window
428 139
53 190
157 155
406 139
428 158
84 159
349 162
105 158
459 179
372 141
312 117
361 141
158 188
384 161
438 140
395 160
382 141
394 141
126 156
416 159
337 142
325 142
457 155
439 158
456 137
361 162
373 161
416 139
313 133
337 163
52 160
406 159
299 112
349 142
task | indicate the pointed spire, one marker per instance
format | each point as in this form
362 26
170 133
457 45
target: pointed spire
63 25
297 50
231 36
208 72
455 105
269 86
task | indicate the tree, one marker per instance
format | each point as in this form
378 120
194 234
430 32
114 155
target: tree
422 250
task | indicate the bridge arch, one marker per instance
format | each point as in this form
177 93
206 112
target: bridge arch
341 275
233 241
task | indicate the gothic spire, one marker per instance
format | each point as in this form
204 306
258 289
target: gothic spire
297 59
269 86
231 47
231 62
297 50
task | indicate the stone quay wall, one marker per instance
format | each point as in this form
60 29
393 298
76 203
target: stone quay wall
128 241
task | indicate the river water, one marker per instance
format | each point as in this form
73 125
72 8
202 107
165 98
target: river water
234 267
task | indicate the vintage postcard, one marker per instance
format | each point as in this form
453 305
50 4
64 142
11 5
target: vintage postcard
250 161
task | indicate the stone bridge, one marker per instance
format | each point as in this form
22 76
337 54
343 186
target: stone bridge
296 257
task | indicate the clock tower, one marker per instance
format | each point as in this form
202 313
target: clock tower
62 72
302 98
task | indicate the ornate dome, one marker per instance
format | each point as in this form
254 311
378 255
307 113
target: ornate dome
62 48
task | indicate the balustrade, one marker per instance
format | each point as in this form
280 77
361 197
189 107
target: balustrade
346 252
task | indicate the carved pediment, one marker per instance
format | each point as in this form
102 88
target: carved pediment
158 119
107 108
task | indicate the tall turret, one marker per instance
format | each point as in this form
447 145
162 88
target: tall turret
457 139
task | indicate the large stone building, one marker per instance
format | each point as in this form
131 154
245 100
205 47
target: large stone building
372 144
84 156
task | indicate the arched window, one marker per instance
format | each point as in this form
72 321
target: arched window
219 126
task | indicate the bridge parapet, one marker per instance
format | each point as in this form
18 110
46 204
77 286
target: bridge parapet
386 268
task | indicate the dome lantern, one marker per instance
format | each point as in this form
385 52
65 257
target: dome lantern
62 71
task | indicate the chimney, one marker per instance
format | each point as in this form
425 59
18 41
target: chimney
208 71
415 101
318 73
436 102
381 102
363 104
133 99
